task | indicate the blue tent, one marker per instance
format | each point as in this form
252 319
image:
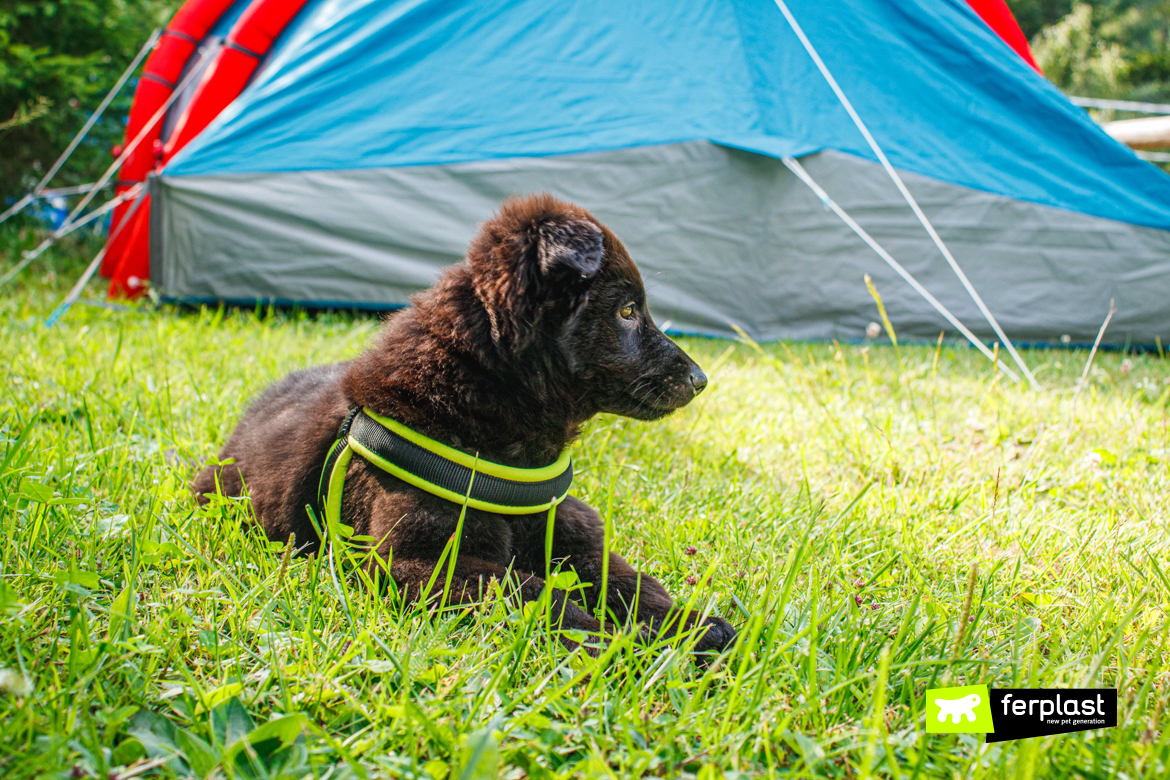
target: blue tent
381 133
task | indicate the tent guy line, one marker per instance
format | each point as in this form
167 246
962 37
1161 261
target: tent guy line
1121 105
877 150
39 190
130 147
138 191
794 165
65 230
69 225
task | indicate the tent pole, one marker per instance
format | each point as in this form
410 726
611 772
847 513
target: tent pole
802 174
17 207
93 118
877 150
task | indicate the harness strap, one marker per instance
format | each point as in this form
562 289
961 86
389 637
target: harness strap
332 479
438 469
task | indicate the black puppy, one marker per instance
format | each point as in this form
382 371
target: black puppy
541 327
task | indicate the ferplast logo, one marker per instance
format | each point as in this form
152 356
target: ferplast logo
1037 712
962 710
1018 713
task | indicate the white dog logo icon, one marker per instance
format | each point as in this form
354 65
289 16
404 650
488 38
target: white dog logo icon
958 709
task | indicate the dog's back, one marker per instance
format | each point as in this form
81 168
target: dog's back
279 447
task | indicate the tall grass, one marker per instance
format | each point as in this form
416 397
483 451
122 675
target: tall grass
833 502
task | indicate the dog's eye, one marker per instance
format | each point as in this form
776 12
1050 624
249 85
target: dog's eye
628 311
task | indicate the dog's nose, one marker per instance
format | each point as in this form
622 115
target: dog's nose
698 379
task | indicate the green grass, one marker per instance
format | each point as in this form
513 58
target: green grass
836 499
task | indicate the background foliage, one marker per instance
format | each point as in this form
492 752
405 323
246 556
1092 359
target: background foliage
1115 49
57 60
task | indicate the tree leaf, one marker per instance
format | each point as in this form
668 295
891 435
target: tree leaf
563 580
224 692
120 611
127 752
267 738
436 769
34 491
73 576
157 735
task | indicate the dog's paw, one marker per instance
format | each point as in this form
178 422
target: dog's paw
719 636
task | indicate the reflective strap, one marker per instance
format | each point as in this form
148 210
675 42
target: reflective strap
437 469
336 487
510 473
445 472
337 452
451 495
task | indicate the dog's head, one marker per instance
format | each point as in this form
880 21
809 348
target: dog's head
561 291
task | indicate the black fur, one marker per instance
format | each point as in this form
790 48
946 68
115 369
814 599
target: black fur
541 327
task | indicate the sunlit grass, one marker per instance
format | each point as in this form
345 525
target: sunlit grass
830 500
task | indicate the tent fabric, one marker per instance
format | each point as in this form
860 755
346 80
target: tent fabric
200 59
363 84
378 134
212 76
248 43
723 238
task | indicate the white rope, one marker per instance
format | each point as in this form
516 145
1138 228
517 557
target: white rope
1121 105
130 147
802 174
39 190
873 144
93 118
28 258
76 189
105 208
94 264
68 226
17 207
44 194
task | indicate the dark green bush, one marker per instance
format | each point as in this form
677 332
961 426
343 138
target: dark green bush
57 60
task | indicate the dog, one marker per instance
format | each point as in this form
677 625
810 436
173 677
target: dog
542 326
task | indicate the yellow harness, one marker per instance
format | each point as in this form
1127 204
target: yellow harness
438 469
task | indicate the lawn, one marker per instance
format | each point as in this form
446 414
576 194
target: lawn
875 521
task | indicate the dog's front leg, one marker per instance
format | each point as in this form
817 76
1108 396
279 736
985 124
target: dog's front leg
470 583
631 596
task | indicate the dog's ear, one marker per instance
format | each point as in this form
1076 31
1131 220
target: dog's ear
570 248
561 257
533 265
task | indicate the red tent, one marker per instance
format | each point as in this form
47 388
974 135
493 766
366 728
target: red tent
182 48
